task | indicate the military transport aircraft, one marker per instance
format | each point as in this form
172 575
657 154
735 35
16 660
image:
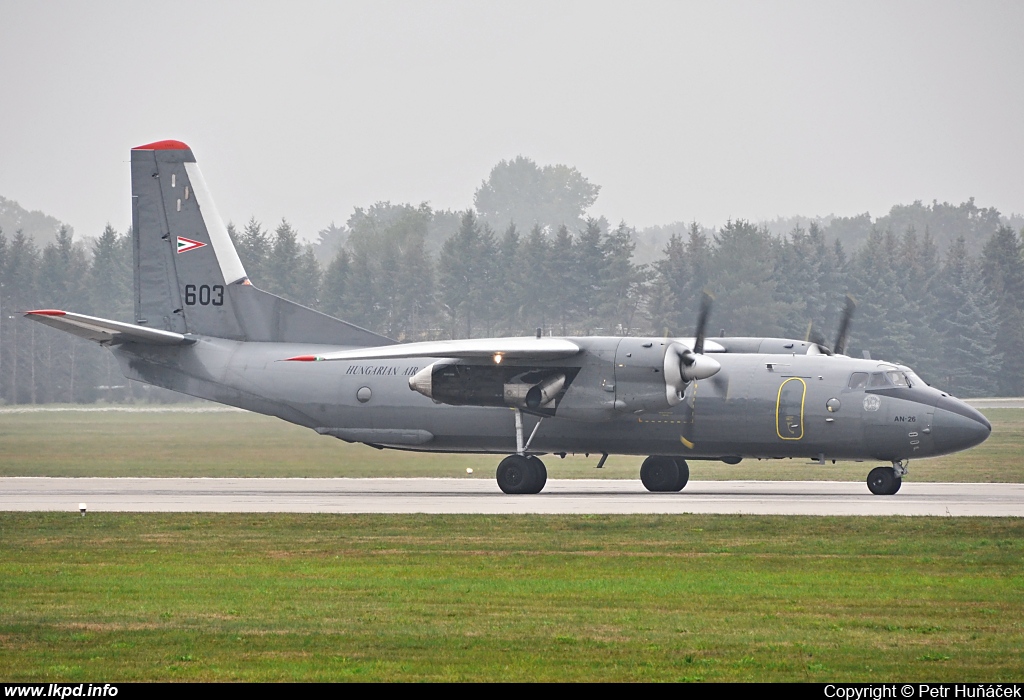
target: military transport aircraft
201 328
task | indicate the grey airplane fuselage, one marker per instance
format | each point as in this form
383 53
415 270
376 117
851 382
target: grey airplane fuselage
757 406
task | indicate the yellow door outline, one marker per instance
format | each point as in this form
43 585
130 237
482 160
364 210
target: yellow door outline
778 409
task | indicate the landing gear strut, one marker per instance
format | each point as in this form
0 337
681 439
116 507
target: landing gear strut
522 473
663 474
886 481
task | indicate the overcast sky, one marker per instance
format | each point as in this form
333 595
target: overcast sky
680 111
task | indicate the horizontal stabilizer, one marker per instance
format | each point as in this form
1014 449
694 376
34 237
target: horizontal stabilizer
104 330
473 348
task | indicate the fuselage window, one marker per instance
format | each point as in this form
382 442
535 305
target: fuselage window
859 380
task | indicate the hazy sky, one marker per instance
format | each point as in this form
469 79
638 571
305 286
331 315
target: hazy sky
678 110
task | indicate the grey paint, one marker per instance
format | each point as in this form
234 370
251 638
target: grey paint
768 400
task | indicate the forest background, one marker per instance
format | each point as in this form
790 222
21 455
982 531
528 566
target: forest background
939 287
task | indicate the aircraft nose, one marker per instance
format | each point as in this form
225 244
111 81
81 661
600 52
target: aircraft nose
958 426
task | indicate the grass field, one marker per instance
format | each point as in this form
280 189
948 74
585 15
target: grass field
118 597
247 444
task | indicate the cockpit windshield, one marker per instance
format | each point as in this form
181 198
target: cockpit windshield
881 380
915 380
898 378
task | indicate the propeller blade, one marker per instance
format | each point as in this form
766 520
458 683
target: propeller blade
844 326
702 321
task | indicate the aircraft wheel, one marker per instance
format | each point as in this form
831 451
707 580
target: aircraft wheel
882 481
684 473
540 475
661 474
517 474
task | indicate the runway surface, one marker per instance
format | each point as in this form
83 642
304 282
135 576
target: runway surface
483 497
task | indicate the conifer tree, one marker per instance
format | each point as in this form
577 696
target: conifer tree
1002 266
625 284
255 248
509 281
336 277
968 327
537 302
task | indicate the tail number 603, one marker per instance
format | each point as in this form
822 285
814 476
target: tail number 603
204 295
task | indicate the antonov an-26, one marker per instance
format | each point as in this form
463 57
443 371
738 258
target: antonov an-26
201 328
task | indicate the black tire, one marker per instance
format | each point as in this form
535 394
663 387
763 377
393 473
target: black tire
516 474
882 481
684 473
540 475
661 474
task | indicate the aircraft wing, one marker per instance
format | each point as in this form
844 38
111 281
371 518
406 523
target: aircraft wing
472 348
103 330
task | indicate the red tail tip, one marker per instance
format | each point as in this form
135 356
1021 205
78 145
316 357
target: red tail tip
47 312
169 145
303 358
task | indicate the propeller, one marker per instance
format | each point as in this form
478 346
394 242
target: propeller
683 365
844 326
814 335
693 363
702 321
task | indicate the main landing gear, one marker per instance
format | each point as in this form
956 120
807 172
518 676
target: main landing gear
662 474
522 473
886 481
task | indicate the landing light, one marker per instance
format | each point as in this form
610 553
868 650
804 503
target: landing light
497 358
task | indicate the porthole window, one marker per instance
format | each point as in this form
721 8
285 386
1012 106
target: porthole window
832 405
364 394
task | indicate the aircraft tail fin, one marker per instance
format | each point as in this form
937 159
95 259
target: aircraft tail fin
188 276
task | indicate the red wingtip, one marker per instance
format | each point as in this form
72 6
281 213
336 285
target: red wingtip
47 312
169 145
303 358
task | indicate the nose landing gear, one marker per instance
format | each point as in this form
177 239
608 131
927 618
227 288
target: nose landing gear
886 481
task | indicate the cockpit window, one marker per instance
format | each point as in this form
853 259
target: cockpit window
877 380
898 378
915 380
859 380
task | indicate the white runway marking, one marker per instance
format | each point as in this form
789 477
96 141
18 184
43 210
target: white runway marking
482 496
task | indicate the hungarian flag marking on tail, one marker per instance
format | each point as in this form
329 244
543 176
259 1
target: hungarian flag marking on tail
186 244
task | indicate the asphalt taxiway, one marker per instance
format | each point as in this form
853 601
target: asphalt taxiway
481 496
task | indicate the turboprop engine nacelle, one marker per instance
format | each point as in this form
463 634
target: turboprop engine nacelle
682 366
651 375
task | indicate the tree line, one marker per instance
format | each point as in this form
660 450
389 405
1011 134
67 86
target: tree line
415 274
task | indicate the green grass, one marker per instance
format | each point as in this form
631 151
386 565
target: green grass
115 597
246 444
